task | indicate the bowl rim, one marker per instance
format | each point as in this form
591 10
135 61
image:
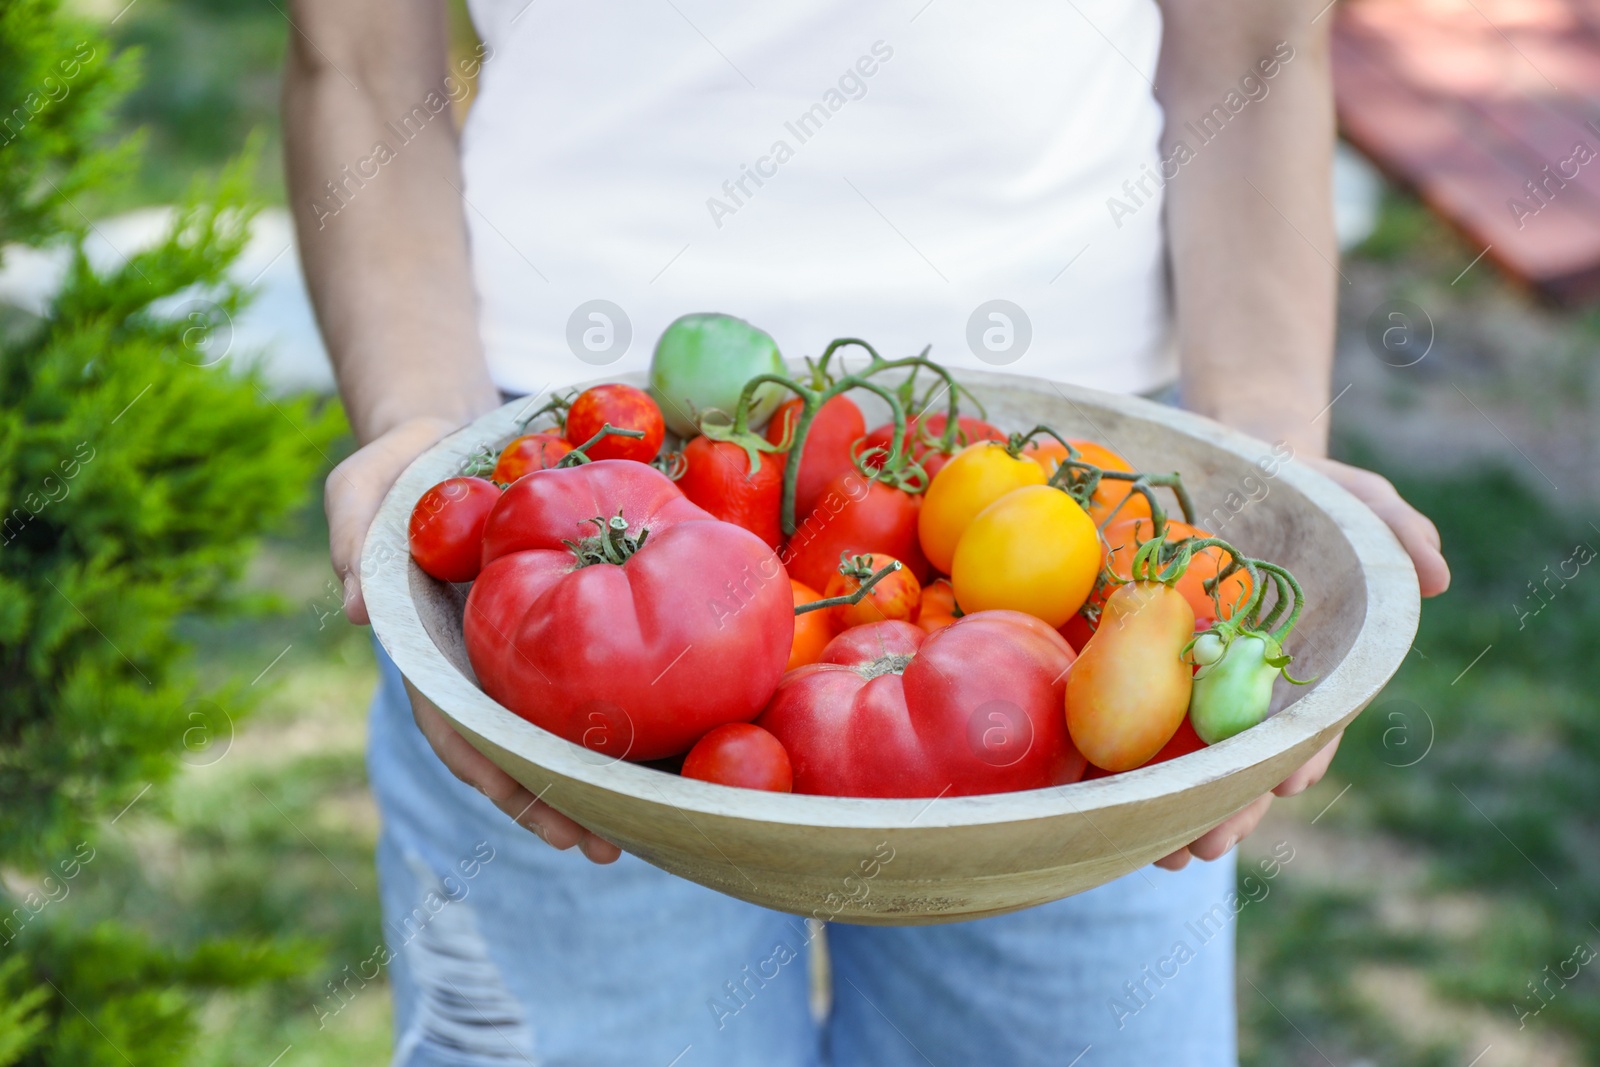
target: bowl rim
1393 605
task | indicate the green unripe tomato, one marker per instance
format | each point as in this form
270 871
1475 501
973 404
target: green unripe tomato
1232 693
703 361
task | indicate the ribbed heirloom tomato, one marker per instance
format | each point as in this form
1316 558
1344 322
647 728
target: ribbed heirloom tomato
893 711
615 613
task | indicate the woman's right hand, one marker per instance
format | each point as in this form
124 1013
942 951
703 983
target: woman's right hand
354 490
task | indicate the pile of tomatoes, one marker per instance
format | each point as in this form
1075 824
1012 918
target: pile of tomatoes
791 601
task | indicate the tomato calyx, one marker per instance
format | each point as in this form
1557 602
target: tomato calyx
580 453
890 663
613 544
673 464
857 567
481 464
1271 627
738 432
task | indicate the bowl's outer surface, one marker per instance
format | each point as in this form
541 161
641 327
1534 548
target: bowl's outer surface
951 858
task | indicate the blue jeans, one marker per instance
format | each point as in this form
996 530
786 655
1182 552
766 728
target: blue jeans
503 951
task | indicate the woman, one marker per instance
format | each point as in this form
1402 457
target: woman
1114 193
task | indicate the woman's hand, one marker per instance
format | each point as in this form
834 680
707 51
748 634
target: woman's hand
1420 538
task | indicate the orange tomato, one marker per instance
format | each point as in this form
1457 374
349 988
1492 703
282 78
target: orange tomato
811 630
1049 453
1124 536
1183 742
938 606
1129 690
894 599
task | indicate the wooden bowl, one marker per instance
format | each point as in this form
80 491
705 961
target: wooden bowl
951 858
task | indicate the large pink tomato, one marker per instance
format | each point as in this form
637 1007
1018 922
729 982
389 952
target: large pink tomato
893 711
615 613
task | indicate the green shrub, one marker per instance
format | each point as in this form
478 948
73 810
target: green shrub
136 473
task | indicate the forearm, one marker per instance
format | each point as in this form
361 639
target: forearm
384 250
1250 219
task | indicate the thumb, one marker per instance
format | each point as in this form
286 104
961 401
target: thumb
356 488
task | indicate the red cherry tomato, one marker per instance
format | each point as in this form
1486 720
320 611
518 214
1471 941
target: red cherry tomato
895 597
837 426
446 531
854 517
740 754
530 452
716 475
624 407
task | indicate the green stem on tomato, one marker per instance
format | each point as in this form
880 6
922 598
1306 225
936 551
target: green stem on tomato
580 454
852 598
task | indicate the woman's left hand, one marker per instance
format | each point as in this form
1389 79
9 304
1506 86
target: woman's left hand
1420 538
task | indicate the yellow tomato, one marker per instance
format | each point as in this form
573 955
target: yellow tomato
974 478
1033 550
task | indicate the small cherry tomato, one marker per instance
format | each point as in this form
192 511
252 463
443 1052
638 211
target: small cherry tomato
938 608
625 408
446 530
974 478
1048 453
894 599
741 754
717 476
1034 550
812 631
855 516
530 452
1129 690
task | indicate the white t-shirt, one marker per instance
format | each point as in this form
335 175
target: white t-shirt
822 169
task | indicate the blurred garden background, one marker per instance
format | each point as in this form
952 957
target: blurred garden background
215 820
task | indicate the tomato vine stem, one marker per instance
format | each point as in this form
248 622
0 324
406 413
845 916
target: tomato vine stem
855 597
